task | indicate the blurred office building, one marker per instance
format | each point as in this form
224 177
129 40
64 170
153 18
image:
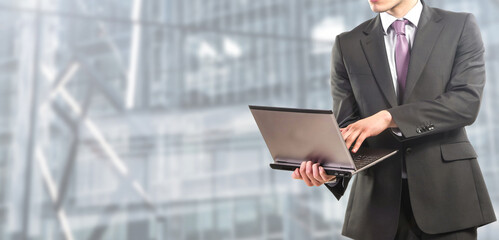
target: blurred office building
128 119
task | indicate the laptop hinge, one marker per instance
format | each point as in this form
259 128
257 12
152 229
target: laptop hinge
287 160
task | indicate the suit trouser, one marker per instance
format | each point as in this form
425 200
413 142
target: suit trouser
409 230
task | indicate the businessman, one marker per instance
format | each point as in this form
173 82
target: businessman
411 78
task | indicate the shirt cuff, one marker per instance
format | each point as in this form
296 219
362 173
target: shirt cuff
397 132
332 183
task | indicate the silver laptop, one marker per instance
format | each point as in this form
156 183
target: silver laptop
295 135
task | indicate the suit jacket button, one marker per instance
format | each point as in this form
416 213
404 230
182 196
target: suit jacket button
408 150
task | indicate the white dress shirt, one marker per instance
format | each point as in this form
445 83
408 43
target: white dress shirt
391 38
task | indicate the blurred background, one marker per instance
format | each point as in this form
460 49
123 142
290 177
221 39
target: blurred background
128 119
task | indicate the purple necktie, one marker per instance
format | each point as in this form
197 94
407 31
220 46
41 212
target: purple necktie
402 56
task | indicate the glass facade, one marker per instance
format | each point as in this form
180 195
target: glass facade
128 119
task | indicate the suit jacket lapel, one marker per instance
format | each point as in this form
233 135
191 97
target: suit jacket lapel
428 31
373 46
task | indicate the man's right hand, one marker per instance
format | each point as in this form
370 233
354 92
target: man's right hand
312 174
355 133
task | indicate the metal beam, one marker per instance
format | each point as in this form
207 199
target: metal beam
73 151
25 222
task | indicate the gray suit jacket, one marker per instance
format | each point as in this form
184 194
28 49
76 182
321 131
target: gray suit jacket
443 92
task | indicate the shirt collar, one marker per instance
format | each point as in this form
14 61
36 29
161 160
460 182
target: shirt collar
413 16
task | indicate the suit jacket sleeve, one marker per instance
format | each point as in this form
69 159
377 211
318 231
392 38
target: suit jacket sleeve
339 188
345 106
459 105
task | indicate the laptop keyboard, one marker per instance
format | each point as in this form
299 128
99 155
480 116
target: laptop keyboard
362 160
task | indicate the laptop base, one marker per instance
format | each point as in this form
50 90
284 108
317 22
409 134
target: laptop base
290 167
